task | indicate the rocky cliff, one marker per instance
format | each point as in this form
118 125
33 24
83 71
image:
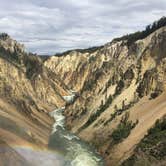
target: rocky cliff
28 92
121 91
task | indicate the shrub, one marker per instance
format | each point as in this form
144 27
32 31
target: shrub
123 130
33 65
88 85
119 87
119 111
4 36
94 116
155 94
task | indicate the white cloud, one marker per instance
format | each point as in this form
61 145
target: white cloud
48 26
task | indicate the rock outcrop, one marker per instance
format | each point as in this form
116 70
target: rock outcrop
28 92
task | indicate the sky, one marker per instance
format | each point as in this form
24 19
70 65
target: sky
51 26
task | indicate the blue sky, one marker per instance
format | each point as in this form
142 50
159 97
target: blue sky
50 26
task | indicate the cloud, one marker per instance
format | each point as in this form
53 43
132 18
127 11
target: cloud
49 26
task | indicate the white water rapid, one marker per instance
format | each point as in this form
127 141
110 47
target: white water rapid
76 151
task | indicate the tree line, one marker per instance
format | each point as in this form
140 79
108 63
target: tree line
131 38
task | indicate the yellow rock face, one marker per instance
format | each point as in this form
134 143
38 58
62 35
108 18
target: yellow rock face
28 92
110 81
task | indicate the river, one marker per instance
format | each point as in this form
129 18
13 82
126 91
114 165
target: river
76 151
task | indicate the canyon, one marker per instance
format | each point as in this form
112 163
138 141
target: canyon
113 95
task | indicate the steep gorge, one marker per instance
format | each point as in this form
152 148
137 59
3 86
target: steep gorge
120 92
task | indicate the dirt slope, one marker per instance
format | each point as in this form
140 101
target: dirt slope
147 112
